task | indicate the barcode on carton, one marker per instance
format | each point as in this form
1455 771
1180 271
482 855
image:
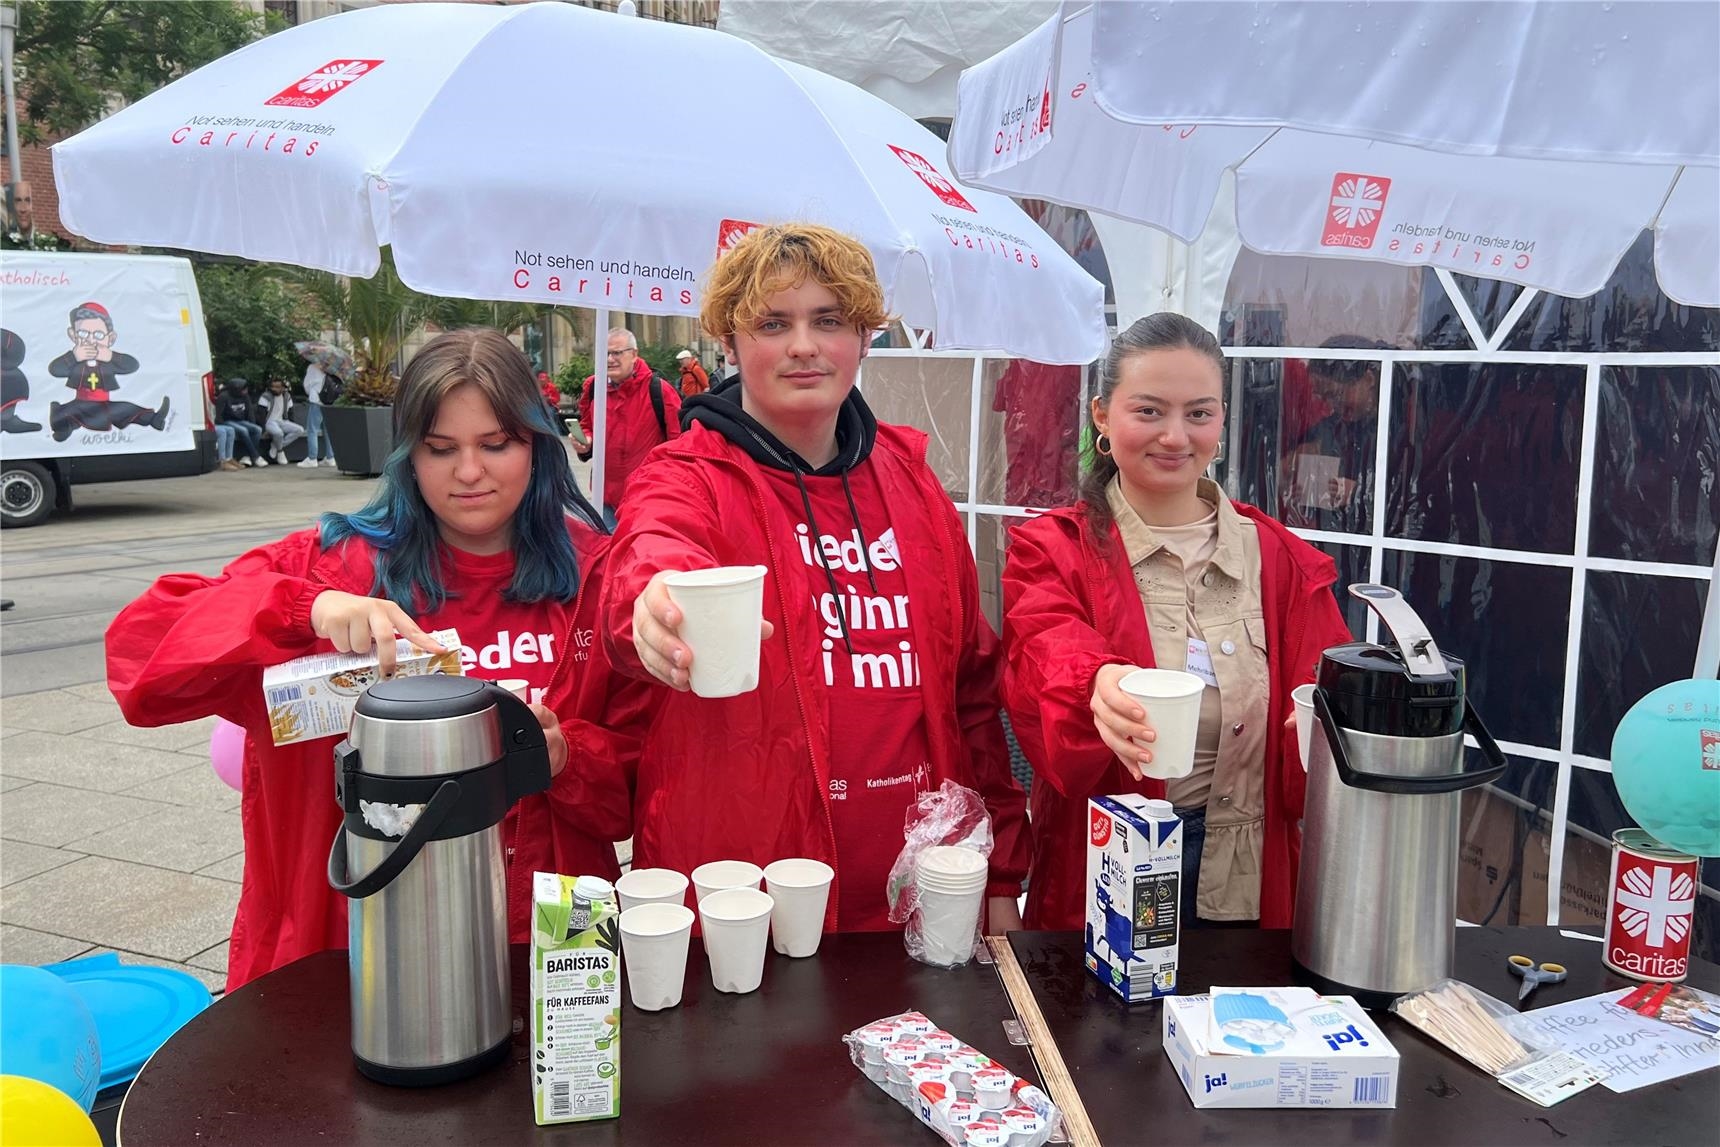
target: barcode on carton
285 694
1372 1089
560 1099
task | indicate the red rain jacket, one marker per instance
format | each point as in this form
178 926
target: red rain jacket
1069 609
747 778
632 427
193 646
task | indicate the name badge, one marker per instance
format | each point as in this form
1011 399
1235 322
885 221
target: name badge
1200 662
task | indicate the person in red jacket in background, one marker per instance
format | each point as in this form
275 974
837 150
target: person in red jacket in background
644 411
1155 566
477 525
878 675
552 401
694 380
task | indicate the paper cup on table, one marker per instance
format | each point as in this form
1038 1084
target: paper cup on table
736 925
1303 695
654 939
950 884
719 875
721 610
1172 701
801 889
651 886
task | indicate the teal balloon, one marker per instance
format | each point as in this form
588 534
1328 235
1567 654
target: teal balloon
1666 764
47 1033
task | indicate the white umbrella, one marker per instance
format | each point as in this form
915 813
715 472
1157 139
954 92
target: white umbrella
555 153
1527 141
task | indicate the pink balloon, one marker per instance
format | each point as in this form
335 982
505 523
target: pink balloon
227 752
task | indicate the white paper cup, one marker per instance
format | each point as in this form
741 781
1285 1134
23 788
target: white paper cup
518 686
736 925
1172 701
651 886
951 886
720 614
723 874
801 889
654 940
1303 696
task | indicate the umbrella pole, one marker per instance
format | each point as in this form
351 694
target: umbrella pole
599 405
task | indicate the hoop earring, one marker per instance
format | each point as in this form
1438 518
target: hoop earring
1103 444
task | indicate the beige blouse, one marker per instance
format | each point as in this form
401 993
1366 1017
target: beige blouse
1202 581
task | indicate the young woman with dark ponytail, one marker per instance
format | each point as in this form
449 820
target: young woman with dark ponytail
1156 567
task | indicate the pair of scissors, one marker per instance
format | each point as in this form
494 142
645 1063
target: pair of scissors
1533 974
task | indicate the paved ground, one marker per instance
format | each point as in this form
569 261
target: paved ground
113 837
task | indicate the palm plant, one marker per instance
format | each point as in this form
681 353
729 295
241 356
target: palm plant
377 314
380 313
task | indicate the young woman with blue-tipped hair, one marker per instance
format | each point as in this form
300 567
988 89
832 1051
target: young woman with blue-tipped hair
477 525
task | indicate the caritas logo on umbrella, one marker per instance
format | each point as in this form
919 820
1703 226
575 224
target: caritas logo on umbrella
933 178
1353 214
323 84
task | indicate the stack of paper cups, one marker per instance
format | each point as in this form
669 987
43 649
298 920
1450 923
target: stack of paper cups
1172 701
654 941
736 925
720 614
951 889
801 889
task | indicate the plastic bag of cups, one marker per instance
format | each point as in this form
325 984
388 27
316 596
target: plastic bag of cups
960 1093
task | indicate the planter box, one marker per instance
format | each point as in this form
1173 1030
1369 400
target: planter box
362 436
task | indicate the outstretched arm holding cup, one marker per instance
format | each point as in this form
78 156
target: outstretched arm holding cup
657 637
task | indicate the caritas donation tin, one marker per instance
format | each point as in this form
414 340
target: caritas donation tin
1650 903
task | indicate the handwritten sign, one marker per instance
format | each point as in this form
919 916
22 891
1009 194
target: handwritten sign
1633 1050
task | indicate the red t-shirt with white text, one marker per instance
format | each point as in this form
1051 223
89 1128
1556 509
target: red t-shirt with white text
503 639
877 714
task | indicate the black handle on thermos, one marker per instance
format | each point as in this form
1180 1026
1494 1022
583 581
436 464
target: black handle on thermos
441 804
1412 786
524 750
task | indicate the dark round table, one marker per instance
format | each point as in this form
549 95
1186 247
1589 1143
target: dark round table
271 1063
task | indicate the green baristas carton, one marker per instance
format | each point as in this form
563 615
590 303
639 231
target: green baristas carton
576 999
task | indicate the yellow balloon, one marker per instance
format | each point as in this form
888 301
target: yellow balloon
32 1114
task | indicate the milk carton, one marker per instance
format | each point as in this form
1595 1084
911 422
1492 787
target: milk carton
1278 1047
576 999
314 696
1134 889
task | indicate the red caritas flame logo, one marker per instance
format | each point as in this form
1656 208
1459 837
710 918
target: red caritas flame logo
323 84
1657 903
933 178
1099 828
1354 210
729 232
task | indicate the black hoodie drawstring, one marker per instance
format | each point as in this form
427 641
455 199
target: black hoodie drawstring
823 561
865 558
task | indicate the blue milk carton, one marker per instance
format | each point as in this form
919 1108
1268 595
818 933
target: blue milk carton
1134 887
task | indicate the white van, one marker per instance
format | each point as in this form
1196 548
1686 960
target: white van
106 376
